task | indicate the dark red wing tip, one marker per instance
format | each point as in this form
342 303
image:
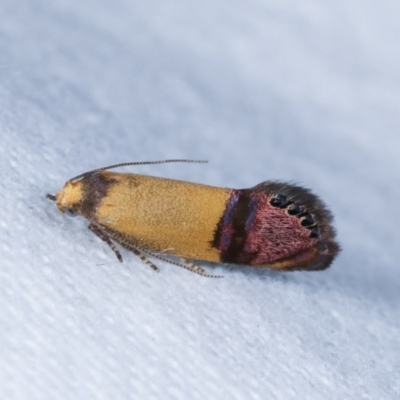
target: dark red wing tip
297 194
316 258
324 258
288 195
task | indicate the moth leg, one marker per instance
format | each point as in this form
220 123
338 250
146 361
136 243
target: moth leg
165 259
103 236
190 266
140 253
185 264
137 252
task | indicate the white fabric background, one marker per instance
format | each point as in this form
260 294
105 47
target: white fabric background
304 91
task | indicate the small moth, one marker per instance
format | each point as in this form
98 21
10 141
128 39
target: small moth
273 224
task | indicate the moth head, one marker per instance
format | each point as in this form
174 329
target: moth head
69 198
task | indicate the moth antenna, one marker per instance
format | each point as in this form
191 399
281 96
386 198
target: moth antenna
133 163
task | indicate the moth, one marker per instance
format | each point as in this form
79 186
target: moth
273 224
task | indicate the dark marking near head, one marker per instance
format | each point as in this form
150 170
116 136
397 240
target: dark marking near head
95 188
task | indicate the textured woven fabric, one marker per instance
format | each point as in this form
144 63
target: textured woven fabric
289 90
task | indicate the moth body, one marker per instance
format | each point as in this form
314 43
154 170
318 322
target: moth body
273 224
